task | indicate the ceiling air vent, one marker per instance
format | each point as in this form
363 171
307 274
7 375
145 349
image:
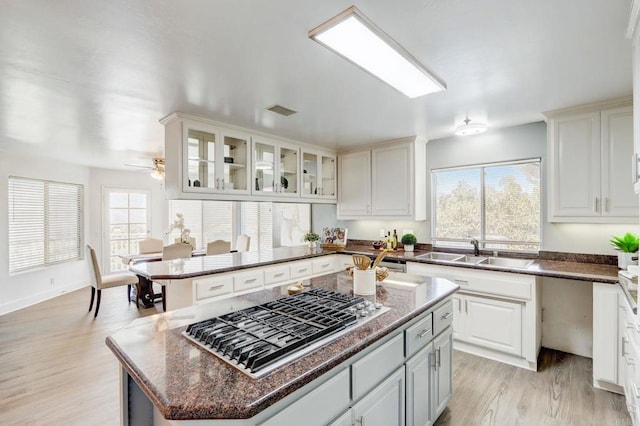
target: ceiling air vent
279 109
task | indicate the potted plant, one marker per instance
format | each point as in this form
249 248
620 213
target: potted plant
627 246
311 238
408 241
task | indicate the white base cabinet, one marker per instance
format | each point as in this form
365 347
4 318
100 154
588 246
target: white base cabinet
496 315
419 379
442 373
383 406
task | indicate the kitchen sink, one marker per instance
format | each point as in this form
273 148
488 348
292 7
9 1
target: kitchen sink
507 262
440 256
472 259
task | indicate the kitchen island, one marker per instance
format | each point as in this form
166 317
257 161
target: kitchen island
167 379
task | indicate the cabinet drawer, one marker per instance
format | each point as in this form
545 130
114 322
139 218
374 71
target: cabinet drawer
248 280
276 274
301 269
318 406
212 287
324 265
442 318
367 372
418 335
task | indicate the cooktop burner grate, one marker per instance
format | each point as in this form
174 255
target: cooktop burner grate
258 337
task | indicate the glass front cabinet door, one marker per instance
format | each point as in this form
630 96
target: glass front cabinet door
318 174
216 160
275 169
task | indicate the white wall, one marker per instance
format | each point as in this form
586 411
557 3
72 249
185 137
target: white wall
27 288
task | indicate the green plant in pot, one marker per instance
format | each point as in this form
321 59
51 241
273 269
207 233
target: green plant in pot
311 238
627 246
408 241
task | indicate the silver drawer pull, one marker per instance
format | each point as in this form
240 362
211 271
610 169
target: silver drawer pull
278 275
425 332
216 287
461 281
630 361
326 265
302 270
252 280
447 315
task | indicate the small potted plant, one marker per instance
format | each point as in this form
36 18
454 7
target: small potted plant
408 241
626 245
311 238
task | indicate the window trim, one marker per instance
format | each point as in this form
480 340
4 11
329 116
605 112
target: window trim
46 209
483 242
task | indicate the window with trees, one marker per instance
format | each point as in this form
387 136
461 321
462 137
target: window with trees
497 204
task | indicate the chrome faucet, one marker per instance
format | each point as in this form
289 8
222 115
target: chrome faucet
476 249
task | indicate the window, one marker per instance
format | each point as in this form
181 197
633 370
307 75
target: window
225 220
127 221
45 223
498 204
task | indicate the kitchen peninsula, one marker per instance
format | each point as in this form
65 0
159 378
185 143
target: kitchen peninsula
167 379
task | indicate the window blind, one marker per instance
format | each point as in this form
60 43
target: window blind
45 223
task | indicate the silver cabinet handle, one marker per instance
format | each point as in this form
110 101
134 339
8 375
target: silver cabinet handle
216 287
360 420
595 207
302 270
460 281
223 186
447 315
278 275
439 358
624 342
425 332
634 168
466 306
606 204
252 280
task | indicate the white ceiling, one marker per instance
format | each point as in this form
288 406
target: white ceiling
88 80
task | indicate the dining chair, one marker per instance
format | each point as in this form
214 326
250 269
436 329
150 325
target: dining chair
150 245
218 247
192 241
100 282
172 252
242 243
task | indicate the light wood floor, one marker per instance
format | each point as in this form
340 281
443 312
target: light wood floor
55 369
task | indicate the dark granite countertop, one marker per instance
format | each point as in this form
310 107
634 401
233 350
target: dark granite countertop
555 265
569 269
185 382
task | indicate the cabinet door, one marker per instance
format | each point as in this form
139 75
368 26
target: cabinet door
288 169
418 376
354 190
327 176
443 373
605 342
201 147
233 160
618 196
392 181
310 174
275 168
494 324
385 404
574 180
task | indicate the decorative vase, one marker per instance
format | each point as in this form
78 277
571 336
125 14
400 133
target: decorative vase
625 259
408 247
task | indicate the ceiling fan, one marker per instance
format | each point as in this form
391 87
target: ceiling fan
157 170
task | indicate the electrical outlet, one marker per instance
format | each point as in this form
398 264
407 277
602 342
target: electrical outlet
382 234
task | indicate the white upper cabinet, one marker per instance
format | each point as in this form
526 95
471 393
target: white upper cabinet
318 174
276 168
386 182
206 160
590 152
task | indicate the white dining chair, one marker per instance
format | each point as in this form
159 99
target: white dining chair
172 252
218 247
242 243
150 245
100 282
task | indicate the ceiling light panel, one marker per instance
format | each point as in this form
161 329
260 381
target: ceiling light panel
354 37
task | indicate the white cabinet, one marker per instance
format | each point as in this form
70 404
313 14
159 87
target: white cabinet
275 168
490 323
385 405
354 185
207 160
443 373
590 151
386 182
496 315
418 382
318 174
605 336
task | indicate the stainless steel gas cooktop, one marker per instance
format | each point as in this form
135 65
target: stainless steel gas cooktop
259 339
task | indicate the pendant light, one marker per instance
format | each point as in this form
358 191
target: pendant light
468 128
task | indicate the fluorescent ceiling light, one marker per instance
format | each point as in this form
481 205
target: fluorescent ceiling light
356 38
468 128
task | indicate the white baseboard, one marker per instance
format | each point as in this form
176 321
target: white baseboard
40 297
